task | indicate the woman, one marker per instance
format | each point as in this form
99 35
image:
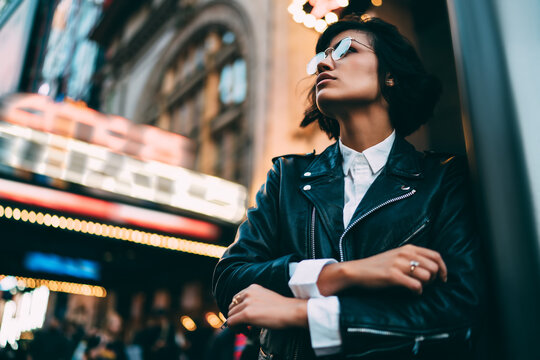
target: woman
368 249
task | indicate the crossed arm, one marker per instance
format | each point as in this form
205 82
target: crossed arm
261 307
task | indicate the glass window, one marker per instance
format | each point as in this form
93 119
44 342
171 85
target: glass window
203 84
232 83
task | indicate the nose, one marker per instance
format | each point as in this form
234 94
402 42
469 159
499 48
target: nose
326 64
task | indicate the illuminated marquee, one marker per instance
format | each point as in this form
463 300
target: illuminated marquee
76 121
109 159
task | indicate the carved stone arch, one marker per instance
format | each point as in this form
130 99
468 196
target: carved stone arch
228 14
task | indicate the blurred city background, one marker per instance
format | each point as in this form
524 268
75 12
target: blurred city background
134 135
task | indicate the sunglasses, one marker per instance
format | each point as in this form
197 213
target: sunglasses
341 49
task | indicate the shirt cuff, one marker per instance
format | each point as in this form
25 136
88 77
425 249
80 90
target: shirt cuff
303 282
292 268
323 320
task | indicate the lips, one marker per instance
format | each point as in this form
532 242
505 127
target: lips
324 76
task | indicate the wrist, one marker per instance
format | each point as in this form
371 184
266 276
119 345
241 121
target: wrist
333 278
343 275
299 317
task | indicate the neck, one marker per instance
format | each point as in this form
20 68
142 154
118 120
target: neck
365 127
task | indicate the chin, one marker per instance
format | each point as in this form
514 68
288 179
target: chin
327 111
326 102
328 99
325 106
330 105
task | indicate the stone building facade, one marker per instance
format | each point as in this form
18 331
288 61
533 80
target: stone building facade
230 75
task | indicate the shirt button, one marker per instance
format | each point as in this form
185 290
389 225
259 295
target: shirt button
307 173
307 187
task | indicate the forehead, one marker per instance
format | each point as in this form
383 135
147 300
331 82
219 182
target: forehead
358 35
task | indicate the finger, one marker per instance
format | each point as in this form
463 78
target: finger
237 299
410 283
421 274
234 303
431 266
436 257
244 315
236 309
235 320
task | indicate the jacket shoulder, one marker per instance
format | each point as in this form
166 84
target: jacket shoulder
292 157
446 164
443 158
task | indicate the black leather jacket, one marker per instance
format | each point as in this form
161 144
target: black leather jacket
420 199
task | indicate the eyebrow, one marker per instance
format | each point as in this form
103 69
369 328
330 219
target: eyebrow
353 40
337 42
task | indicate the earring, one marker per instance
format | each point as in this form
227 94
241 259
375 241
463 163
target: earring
389 82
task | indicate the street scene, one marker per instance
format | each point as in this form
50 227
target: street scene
137 136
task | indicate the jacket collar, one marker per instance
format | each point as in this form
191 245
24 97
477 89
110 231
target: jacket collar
403 161
323 183
326 163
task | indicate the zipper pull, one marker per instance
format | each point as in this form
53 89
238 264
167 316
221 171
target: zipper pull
416 347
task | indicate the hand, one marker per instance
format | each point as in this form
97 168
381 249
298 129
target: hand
258 306
390 268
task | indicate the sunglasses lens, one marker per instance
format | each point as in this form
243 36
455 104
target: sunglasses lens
312 64
341 48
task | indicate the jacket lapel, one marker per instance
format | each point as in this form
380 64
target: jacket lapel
322 183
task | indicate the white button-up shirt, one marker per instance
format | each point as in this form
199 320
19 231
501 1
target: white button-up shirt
360 170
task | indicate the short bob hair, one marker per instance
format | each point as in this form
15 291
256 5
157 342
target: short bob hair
415 92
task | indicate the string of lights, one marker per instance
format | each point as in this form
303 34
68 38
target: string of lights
61 286
296 9
320 13
111 231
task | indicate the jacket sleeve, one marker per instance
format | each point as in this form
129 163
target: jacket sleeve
445 313
254 257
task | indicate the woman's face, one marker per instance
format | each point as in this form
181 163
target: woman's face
350 81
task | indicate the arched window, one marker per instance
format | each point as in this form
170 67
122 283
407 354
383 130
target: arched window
202 95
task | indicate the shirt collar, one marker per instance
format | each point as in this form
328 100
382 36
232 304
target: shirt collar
376 156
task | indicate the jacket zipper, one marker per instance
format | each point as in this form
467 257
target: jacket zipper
393 333
417 339
420 338
313 233
415 232
297 350
341 255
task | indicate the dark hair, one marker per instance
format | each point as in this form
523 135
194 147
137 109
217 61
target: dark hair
415 92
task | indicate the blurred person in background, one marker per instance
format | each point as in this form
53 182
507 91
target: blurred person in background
50 342
399 222
75 327
103 344
158 339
